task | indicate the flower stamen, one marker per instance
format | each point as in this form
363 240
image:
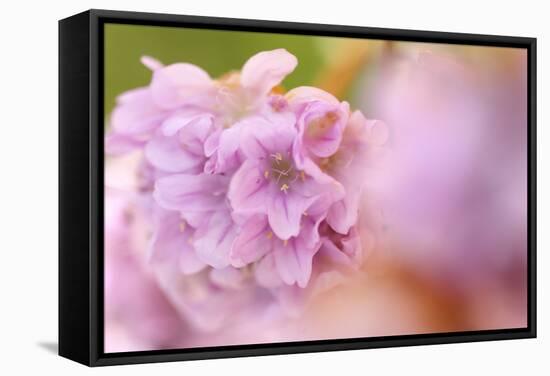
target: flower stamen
278 157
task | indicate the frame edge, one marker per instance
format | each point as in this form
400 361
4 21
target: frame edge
74 250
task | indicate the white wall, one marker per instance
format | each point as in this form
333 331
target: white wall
28 197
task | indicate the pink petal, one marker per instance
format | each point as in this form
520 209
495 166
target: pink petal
136 113
230 278
213 241
321 127
227 149
175 123
260 137
179 84
266 70
248 188
305 94
117 144
151 63
285 210
170 155
191 193
212 142
195 134
252 242
343 214
353 245
170 243
333 253
378 132
294 261
266 273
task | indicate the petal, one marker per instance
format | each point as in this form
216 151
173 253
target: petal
318 183
332 252
305 94
352 245
151 63
294 261
248 188
170 243
265 70
343 214
227 150
170 155
212 142
321 126
213 240
136 113
266 273
175 123
344 250
191 193
284 212
179 84
231 278
252 242
318 176
378 132
195 134
260 137
117 144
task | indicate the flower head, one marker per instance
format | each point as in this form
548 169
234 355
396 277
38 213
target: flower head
249 190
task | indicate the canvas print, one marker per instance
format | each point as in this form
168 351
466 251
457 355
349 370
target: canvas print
267 188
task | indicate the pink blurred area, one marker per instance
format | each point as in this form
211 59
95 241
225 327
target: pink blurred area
453 185
446 212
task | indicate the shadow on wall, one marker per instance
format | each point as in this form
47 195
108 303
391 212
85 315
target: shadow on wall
51 347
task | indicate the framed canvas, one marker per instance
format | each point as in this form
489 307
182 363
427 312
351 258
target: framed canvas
234 187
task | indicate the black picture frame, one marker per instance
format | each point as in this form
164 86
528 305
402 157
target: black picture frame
81 187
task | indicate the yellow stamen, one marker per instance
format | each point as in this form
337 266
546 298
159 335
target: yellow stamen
284 187
269 235
285 242
302 176
266 174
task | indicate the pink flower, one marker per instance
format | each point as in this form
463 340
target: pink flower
243 96
138 316
269 181
252 196
352 165
178 146
200 201
321 122
171 242
291 258
336 258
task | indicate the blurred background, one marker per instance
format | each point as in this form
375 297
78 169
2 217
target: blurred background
447 202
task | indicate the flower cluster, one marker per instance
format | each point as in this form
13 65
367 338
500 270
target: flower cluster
244 179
